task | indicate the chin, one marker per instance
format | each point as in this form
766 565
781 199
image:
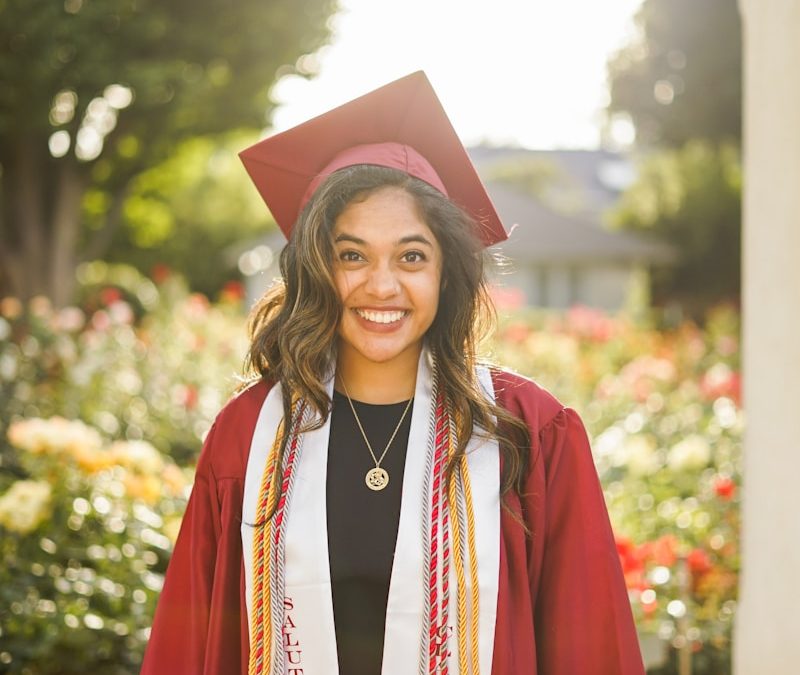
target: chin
384 355
380 353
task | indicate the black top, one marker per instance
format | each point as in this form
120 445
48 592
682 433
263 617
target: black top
362 527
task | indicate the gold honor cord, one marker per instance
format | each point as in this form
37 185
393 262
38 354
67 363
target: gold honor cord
465 645
473 568
462 470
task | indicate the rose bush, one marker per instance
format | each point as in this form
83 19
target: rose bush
85 544
664 411
99 405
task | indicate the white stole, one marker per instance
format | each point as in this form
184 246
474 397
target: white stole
309 637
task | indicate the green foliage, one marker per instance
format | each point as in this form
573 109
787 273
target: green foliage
681 78
690 198
191 212
85 543
194 67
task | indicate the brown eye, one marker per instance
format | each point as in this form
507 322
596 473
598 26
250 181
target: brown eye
414 257
350 256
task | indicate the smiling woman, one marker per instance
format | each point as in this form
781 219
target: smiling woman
377 501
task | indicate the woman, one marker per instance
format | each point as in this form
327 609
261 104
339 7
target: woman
377 502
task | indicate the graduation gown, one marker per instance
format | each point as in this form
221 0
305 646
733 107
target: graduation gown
562 606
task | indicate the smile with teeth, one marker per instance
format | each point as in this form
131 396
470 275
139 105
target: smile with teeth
379 316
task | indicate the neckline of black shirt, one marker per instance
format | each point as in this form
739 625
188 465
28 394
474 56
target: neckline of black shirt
341 395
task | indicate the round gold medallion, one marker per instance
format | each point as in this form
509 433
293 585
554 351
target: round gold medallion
376 479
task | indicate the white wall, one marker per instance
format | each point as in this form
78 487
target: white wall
767 629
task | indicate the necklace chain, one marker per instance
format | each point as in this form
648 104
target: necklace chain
376 478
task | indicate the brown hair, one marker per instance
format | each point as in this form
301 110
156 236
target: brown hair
293 327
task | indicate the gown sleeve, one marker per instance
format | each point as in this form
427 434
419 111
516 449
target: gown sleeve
582 612
180 629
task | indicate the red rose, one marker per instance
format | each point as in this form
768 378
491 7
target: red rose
629 556
698 561
160 273
721 380
110 295
724 487
232 291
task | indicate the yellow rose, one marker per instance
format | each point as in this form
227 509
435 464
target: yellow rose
92 460
53 436
25 505
145 488
139 456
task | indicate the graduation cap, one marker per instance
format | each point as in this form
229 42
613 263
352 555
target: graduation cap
401 125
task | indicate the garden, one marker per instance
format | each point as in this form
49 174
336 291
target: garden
104 405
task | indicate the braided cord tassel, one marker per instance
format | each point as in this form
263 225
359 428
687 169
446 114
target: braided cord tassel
260 621
460 494
278 569
424 664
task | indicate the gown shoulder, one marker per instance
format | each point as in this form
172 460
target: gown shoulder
232 432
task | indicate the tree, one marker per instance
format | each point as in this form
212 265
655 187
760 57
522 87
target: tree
93 93
680 83
189 212
691 198
681 78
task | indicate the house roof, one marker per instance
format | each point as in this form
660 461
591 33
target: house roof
542 235
592 180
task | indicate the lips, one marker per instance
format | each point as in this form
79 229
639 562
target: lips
381 316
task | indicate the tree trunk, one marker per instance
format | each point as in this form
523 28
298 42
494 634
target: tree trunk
26 222
65 229
41 219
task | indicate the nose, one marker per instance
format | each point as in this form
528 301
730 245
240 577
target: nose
382 282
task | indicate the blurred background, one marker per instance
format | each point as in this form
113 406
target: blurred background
132 245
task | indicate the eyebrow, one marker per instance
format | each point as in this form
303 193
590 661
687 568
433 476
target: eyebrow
415 238
418 238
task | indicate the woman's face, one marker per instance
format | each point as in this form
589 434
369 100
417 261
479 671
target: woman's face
387 269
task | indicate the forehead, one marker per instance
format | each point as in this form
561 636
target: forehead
388 213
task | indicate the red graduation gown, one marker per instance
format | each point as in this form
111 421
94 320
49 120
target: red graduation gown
562 606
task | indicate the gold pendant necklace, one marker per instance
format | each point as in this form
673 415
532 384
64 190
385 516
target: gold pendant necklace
377 478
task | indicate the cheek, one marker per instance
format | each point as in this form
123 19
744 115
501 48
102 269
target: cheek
431 295
435 300
343 284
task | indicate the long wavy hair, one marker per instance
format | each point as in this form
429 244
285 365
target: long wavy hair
293 327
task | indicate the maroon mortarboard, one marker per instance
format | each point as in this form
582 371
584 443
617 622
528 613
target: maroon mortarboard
401 125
